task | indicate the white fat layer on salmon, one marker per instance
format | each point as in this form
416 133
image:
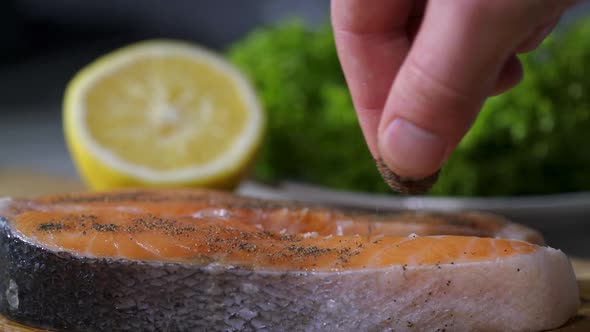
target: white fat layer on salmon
529 292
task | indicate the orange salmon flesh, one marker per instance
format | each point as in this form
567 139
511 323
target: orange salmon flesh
204 227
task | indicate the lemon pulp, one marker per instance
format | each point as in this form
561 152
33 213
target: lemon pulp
161 113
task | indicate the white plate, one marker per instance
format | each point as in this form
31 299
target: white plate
545 212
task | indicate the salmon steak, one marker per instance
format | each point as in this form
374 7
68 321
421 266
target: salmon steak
200 260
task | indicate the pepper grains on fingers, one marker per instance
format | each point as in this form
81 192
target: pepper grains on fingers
406 186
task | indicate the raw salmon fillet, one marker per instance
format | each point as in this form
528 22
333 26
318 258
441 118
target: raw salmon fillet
190 260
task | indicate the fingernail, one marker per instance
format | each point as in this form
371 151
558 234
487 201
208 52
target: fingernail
410 151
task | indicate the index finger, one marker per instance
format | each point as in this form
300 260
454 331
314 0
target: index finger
372 43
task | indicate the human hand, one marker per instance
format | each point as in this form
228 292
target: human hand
419 71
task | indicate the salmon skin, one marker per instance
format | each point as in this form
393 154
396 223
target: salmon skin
197 260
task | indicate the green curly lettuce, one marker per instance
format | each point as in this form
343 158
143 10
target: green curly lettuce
313 133
531 140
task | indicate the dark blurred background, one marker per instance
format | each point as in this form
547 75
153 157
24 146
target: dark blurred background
44 43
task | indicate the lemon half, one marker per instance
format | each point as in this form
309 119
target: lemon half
162 113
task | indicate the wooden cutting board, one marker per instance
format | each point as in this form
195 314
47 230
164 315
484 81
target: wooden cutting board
580 323
29 183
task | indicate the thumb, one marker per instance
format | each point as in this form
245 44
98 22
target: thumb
452 67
